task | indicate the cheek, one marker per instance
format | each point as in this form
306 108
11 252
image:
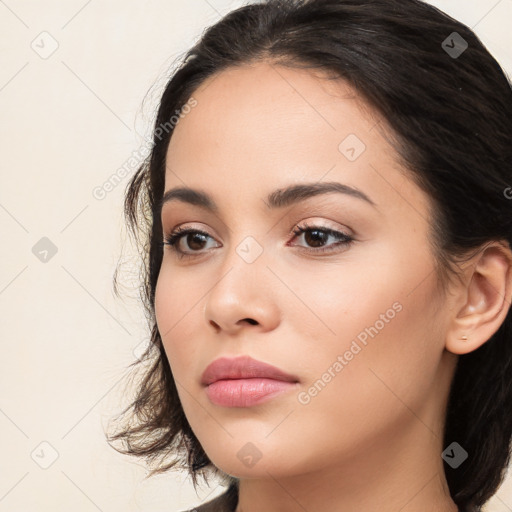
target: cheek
339 301
389 357
375 320
176 303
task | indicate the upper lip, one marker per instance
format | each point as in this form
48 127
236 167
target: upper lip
242 367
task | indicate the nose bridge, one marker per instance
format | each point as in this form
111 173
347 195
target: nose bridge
244 249
244 264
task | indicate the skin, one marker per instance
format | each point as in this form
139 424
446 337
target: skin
371 439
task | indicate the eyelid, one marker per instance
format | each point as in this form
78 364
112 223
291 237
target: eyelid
308 223
321 223
181 230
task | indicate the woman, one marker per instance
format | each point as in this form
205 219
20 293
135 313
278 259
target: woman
328 265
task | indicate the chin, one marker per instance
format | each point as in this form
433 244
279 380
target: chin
254 459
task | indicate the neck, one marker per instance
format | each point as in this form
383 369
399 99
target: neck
404 474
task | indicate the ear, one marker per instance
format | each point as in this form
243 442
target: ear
484 299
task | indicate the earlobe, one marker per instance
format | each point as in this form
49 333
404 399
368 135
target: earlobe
487 298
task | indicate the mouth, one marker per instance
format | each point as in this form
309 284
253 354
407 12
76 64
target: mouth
244 382
246 392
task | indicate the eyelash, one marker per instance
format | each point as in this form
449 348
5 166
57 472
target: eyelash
173 239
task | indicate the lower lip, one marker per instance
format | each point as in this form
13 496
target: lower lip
245 392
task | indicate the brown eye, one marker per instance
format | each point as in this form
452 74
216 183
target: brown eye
317 236
194 238
195 241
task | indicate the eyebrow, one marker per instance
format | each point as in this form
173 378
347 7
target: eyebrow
279 198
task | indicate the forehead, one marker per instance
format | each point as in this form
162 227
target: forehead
259 127
287 110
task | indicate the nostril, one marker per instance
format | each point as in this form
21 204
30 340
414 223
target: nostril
251 321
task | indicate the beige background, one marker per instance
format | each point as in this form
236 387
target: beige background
70 120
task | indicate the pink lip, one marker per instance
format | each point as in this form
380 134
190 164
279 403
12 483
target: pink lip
243 381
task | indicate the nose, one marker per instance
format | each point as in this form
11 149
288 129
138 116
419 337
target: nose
244 296
217 327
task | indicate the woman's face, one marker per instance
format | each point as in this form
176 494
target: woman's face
359 325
